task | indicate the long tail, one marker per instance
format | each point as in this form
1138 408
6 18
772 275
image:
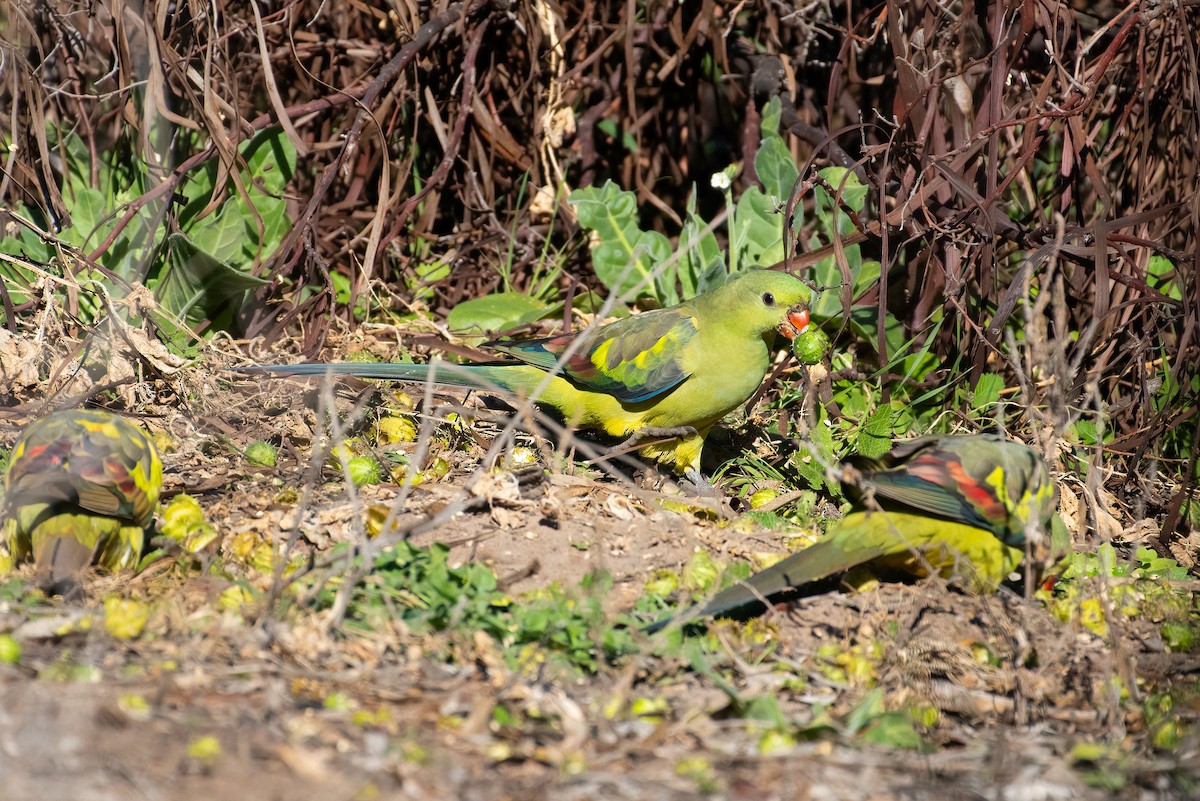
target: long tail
820 560
497 378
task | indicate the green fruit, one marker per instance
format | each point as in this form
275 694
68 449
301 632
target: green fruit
10 650
364 470
437 467
345 451
811 346
262 453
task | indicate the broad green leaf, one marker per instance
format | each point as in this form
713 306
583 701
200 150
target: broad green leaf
238 234
77 160
27 243
756 231
1085 432
427 274
624 256
870 707
868 273
775 169
895 730
701 251
773 162
875 435
197 288
87 215
270 160
493 313
765 708
222 235
987 390
1161 274
854 193
863 322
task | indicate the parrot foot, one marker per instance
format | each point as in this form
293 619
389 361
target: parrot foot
691 483
695 481
654 432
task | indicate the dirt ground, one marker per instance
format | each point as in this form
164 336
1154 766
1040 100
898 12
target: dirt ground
87 716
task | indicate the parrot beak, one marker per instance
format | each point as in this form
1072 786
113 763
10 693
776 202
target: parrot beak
795 323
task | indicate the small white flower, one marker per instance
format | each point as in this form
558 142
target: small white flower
720 180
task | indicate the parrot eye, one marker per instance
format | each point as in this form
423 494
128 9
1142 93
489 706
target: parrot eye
768 299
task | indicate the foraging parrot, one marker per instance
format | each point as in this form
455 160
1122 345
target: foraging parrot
963 506
669 373
80 490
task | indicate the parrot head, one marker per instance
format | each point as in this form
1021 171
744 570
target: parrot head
766 300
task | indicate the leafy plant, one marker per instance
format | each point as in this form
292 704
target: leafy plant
420 587
198 265
635 263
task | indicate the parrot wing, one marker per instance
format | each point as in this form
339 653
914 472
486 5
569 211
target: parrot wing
964 479
634 359
80 488
94 460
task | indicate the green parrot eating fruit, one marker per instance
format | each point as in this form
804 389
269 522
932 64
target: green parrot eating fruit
668 374
80 490
966 507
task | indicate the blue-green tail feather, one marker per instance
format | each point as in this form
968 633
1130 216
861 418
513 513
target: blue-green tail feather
498 377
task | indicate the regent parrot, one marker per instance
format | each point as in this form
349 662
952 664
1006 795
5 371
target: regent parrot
964 506
80 490
669 373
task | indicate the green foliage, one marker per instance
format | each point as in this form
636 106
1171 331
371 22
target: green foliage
199 267
419 587
1099 584
496 312
634 263
893 728
1162 274
624 256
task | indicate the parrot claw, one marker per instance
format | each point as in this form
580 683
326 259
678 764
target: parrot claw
642 435
695 480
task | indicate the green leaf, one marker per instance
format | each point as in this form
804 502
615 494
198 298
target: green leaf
875 435
425 275
814 454
702 254
270 160
222 235
853 193
863 322
765 708
240 233
87 215
773 162
756 230
896 730
610 128
775 168
868 273
624 257
987 391
865 711
1085 432
1161 274
497 312
195 287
